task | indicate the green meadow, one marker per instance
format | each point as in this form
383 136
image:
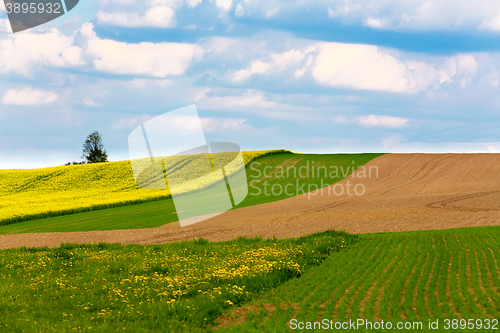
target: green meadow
177 287
255 285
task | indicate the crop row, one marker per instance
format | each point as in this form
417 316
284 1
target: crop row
399 277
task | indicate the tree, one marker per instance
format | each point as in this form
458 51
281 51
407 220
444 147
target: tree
93 149
75 163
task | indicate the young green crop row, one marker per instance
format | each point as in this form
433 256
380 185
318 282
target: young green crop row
442 275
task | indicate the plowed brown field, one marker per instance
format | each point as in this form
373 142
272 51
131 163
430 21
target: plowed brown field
411 192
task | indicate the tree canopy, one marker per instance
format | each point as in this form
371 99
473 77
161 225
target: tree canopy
93 149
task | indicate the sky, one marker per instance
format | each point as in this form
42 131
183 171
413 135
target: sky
311 76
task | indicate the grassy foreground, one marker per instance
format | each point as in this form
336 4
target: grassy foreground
267 178
173 287
407 277
396 277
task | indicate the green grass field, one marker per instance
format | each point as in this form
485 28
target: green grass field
257 285
396 277
260 182
177 287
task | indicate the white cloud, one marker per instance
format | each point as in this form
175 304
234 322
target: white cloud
257 67
268 9
422 76
467 64
239 10
491 24
145 13
492 79
258 103
343 9
157 60
224 4
90 103
340 120
157 16
21 53
184 123
25 52
387 14
299 73
351 66
360 67
131 122
5 24
277 63
286 59
145 83
193 3
213 124
251 98
381 121
28 96
418 15
465 82
448 71
374 22
369 67
462 65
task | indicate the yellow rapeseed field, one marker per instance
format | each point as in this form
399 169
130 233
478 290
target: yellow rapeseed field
35 193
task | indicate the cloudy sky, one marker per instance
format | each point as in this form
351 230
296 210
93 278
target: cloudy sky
305 75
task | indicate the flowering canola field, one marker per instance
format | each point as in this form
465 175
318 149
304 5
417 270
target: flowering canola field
37 193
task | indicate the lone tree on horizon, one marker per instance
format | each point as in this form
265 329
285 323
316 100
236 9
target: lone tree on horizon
93 149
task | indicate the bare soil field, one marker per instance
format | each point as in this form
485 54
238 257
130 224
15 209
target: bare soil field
410 192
